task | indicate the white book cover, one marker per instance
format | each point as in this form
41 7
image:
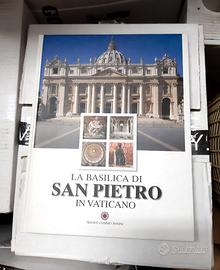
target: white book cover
110 150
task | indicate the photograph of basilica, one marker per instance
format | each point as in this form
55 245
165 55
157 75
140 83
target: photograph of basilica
104 79
112 84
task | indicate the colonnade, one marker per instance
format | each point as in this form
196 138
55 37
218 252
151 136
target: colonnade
125 94
122 98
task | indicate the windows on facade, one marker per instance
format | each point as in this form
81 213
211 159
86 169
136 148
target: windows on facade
148 71
148 90
134 70
53 89
55 70
134 89
119 90
165 70
71 71
108 89
166 89
97 90
82 88
84 70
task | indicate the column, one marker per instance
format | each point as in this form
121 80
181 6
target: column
102 98
123 99
45 93
129 99
76 99
61 97
114 98
175 101
171 110
88 104
140 99
155 92
93 99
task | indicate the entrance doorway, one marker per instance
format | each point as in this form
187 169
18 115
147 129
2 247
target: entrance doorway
108 107
166 108
53 106
134 108
82 107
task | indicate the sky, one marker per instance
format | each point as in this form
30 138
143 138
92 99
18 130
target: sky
145 46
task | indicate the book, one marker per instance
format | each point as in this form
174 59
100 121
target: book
110 157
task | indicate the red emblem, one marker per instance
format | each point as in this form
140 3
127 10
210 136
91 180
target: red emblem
104 215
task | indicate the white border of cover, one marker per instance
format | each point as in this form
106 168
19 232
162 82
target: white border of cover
112 29
105 30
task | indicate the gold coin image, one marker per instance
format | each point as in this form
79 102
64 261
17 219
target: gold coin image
93 154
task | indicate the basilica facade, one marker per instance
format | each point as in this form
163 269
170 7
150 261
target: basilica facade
111 83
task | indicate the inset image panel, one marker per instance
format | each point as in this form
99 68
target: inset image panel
121 155
122 127
93 154
95 127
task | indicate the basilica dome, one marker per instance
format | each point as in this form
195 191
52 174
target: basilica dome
111 56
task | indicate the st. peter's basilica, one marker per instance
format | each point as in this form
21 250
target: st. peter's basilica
112 83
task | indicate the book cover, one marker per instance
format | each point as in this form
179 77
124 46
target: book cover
110 152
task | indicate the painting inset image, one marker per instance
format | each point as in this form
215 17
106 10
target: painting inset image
121 154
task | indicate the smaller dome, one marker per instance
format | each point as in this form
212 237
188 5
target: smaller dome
111 56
